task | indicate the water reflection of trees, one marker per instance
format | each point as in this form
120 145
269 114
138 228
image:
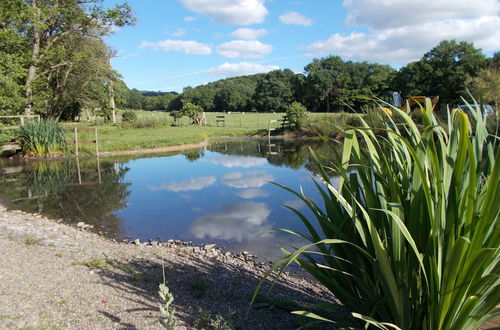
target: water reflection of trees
292 154
88 190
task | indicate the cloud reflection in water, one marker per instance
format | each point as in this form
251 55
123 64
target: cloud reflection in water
252 193
236 221
186 185
237 161
250 179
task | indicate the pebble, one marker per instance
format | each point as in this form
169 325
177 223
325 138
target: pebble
209 247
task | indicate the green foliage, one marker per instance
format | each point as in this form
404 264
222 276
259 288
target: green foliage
275 91
98 263
42 139
486 86
408 235
295 112
168 321
332 83
145 122
328 125
442 71
129 116
190 110
52 55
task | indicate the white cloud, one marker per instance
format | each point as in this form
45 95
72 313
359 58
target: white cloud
237 161
248 34
239 12
185 46
244 48
237 221
250 179
190 18
295 18
227 70
187 185
252 193
178 33
408 43
379 15
400 31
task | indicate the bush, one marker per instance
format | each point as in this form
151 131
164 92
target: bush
128 116
145 122
408 235
328 125
42 139
294 112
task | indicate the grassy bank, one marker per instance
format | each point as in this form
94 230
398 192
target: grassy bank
153 129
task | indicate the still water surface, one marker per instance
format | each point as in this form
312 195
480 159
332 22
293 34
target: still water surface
221 194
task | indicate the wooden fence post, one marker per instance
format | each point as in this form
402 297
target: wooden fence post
76 141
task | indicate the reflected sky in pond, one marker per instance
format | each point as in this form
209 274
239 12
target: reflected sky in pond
220 195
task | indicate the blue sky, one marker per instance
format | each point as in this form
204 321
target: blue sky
179 43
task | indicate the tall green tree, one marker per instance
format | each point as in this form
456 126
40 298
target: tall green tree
442 71
44 27
275 91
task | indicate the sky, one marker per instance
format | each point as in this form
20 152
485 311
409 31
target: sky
180 43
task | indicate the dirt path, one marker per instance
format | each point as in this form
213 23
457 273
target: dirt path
56 276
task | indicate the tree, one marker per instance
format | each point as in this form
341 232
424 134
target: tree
13 59
485 87
294 112
43 28
275 91
80 80
136 100
442 71
324 77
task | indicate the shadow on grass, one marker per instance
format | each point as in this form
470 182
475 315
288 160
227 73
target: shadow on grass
209 294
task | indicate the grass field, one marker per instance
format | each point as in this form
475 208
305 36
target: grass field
121 137
233 120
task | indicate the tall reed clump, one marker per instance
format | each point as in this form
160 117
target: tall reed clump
42 139
409 238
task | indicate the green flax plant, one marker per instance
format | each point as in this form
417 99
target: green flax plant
409 237
42 139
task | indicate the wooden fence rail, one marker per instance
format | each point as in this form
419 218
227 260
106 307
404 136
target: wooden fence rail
76 141
21 119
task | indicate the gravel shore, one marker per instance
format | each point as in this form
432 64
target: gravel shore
55 276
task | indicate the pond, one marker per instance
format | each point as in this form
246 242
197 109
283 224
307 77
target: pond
221 194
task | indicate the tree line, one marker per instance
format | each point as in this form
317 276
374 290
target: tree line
331 84
54 62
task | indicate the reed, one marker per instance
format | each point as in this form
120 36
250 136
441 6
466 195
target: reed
409 237
42 139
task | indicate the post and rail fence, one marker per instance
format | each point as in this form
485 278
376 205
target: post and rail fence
22 119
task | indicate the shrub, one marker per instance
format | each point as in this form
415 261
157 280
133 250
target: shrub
146 122
42 139
409 235
294 112
176 115
129 116
328 125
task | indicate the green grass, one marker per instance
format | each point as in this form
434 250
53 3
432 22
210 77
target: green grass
124 137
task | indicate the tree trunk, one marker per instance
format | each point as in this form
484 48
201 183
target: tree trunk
35 53
328 102
112 101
